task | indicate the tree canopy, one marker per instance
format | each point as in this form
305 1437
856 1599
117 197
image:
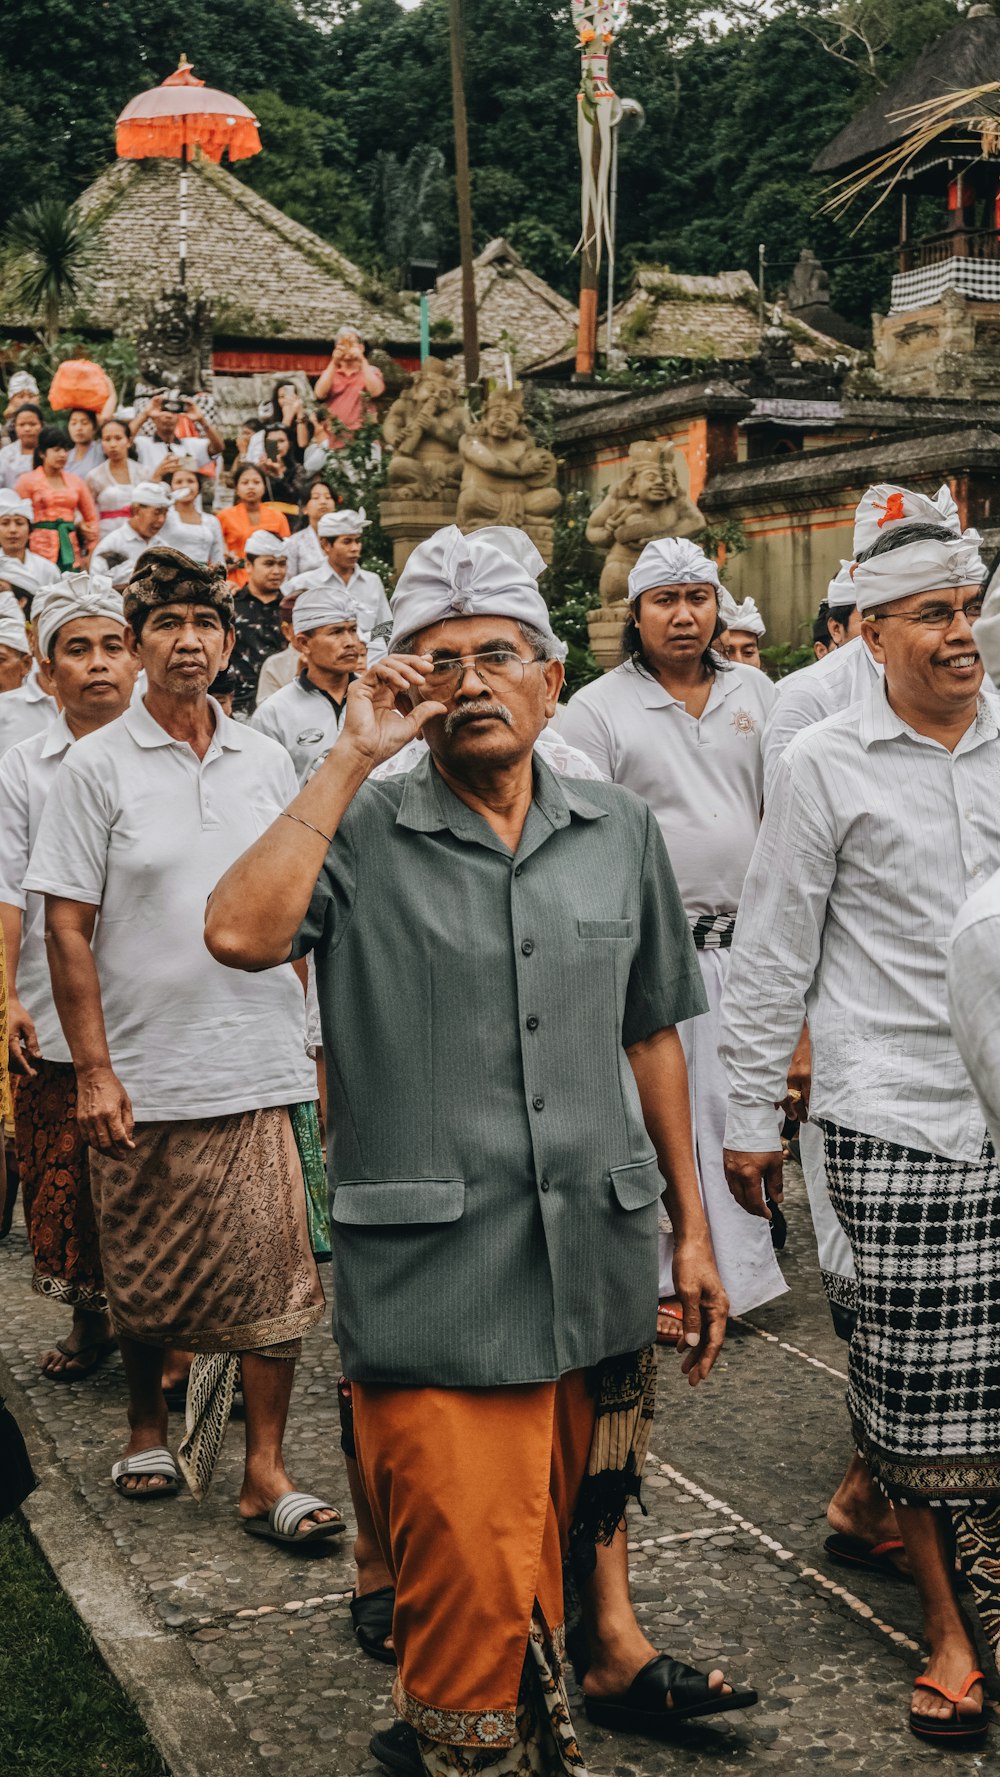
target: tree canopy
738 97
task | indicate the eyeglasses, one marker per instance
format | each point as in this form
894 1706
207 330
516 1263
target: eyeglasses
940 616
500 668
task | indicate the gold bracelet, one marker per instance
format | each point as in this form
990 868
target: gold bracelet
297 817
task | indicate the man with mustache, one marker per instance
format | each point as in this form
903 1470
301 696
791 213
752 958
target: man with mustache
512 947
307 715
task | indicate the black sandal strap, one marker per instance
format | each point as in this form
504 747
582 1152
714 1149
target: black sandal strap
372 1617
686 1685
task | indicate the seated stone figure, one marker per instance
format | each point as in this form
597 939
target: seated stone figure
506 477
648 502
423 428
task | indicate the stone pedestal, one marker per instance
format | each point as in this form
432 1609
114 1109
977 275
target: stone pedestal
949 350
409 522
606 625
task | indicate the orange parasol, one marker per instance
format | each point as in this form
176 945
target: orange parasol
180 114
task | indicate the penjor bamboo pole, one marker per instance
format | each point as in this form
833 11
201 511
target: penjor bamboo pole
586 339
463 194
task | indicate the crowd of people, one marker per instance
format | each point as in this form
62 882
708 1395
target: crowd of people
611 954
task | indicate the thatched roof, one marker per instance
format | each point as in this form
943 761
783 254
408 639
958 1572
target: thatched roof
703 320
965 56
519 313
268 277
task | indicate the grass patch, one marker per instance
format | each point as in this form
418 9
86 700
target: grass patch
62 1714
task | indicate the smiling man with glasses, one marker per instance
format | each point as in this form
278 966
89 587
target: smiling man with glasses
502 960
880 821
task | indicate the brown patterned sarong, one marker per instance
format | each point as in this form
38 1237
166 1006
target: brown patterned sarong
204 1235
55 1188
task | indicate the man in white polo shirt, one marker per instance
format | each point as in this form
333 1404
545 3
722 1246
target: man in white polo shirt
307 715
117 553
80 629
186 1072
340 538
683 730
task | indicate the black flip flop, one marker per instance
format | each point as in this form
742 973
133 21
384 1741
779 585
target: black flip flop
371 1615
96 1351
853 1551
398 1749
642 1709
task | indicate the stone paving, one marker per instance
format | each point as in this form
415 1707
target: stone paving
727 1568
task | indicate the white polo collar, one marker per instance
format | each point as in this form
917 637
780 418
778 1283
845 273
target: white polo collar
146 731
58 738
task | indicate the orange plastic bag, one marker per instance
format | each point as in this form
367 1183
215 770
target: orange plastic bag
79 383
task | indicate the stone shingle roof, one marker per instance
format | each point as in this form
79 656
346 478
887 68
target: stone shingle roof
268 277
518 312
704 320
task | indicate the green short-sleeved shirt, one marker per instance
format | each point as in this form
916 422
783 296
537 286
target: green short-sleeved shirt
494 1189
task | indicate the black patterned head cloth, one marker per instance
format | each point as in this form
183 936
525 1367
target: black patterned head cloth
163 576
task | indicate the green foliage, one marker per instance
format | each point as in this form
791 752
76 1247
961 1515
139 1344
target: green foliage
116 356
570 588
782 658
46 241
410 199
62 1710
728 534
308 171
356 475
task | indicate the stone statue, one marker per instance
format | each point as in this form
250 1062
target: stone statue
174 344
506 477
423 428
809 284
648 502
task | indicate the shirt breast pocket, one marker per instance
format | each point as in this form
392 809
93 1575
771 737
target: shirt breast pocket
602 930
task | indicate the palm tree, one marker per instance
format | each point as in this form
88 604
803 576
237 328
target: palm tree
47 240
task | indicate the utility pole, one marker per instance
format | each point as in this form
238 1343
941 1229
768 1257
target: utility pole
463 193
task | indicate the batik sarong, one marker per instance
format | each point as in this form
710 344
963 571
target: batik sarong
204 1235
54 1165
923 1376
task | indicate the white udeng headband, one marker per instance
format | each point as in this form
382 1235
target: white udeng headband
923 566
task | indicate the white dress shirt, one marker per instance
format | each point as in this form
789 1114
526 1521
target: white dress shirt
25 712
137 825
117 553
702 776
842 678
974 996
304 719
873 837
27 773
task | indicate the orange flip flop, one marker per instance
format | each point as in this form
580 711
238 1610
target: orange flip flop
956 1731
669 1306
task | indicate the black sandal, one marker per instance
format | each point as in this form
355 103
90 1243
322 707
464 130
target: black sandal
371 1615
643 1708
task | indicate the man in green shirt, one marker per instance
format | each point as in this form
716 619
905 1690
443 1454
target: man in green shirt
512 948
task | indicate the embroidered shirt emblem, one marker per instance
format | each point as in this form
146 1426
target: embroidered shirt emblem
743 722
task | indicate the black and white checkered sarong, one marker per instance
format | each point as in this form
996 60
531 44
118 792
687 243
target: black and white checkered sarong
713 931
923 1371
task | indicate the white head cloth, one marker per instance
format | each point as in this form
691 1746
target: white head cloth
449 575
75 595
20 574
317 605
840 591
918 567
151 493
22 383
13 630
884 506
343 524
265 543
745 616
515 543
671 561
12 506
987 630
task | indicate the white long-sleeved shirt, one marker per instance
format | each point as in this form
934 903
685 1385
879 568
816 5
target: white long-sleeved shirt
872 839
842 678
974 996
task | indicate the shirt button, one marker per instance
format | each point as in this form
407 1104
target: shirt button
545 1184
538 1102
527 947
532 1022
517 869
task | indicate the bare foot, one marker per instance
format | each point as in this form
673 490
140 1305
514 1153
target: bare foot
669 1321
616 1668
949 1665
859 1509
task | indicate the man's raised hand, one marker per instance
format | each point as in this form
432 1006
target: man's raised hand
379 721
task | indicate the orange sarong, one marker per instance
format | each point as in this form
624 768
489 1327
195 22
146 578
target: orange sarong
472 1492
